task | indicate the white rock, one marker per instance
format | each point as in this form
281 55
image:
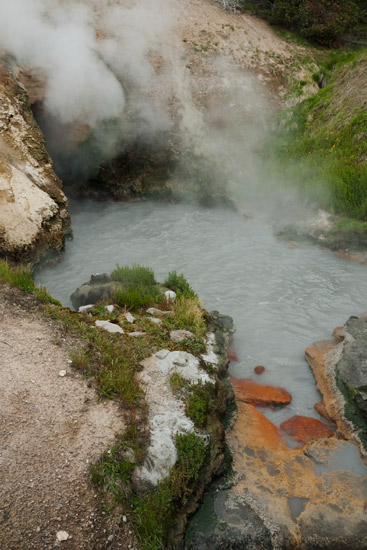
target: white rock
136 334
110 327
178 335
62 373
110 308
166 415
124 519
159 313
155 320
210 356
170 295
85 308
62 535
129 317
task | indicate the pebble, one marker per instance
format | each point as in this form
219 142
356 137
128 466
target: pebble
85 308
155 320
110 327
110 308
62 373
124 519
62 535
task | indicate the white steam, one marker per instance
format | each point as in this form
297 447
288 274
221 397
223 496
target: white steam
87 51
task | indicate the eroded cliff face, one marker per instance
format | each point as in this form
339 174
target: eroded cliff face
33 208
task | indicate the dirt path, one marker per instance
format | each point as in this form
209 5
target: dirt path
51 426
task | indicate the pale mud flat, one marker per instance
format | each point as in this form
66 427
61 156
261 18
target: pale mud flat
51 427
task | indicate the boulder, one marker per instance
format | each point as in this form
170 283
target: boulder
99 287
260 395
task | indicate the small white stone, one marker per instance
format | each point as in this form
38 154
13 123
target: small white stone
110 538
69 361
129 317
170 295
155 320
110 308
136 334
62 373
124 519
85 308
62 535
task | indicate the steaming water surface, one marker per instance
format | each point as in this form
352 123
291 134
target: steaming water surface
282 299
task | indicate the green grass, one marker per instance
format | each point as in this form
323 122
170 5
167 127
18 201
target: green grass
136 275
198 398
187 315
323 145
21 277
139 288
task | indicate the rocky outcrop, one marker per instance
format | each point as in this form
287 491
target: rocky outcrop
322 229
99 287
33 207
308 496
340 369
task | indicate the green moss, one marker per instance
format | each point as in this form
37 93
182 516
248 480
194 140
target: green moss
352 411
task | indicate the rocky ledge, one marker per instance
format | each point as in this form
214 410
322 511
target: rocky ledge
302 485
33 208
340 369
345 237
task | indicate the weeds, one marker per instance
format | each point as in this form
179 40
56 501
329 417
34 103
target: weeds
197 398
139 288
179 284
187 315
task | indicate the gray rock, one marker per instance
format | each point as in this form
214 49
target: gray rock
110 327
158 313
110 308
136 334
88 294
179 335
170 295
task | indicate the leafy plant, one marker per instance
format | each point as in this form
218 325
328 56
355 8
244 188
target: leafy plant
136 275
180 285
187 315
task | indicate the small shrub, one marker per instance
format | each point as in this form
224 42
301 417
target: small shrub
136 297
197 403
136 275
179 284
187 315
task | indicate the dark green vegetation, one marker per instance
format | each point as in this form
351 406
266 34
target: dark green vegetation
198 399
322 143
179 284
139 290
322 21
113 360
154 513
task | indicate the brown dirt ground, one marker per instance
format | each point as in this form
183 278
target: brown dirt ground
51 427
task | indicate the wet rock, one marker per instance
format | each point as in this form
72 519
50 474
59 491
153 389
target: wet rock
321 409
260 395
340 369
179 335
259 369
231 355
304 429
223 322
110 327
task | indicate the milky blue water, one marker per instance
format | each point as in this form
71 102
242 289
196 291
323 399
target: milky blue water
282 299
